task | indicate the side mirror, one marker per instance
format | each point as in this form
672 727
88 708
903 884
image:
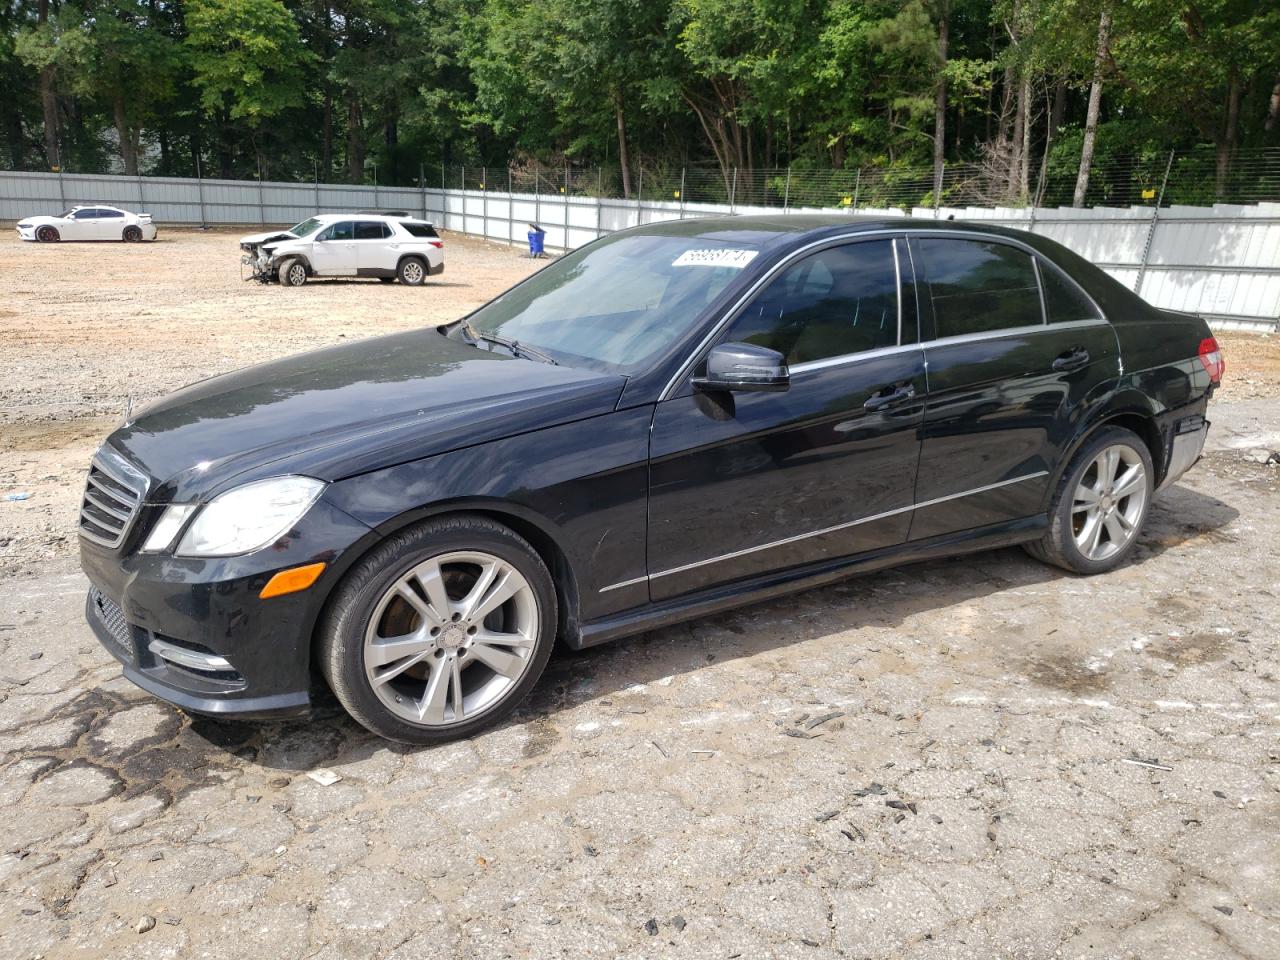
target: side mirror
744 368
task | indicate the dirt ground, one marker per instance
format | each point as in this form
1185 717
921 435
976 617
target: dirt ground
974 758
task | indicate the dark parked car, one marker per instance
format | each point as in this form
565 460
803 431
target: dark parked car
667 422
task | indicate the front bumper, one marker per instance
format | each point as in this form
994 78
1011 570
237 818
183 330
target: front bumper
194 632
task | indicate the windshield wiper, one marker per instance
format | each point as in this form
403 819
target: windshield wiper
518 349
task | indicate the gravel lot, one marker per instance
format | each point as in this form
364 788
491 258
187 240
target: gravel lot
930 762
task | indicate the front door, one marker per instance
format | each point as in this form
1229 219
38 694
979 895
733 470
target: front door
746 484
1018 352
333 254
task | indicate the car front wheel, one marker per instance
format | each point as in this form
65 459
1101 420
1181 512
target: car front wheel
412 271
47 234
293 273
440 632
1101 504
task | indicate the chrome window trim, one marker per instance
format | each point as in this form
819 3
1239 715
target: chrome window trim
825 530
1011 332
848 358
760 281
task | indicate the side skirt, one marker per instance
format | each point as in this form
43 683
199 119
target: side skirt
727 596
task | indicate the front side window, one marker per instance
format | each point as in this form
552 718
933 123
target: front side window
977 286
1063 300
838 301
370 230
617 303
339 231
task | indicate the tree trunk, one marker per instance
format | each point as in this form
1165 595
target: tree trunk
1229 138
1056 109
1095 106
1024 148
940 100
624 155
1273 106
49 101
355 140
128 146
326 148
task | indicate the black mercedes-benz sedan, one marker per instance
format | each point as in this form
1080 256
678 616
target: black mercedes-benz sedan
670 421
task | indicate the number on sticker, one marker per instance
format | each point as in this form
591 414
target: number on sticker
737 259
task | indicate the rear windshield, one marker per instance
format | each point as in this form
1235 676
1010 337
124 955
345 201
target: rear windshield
424 230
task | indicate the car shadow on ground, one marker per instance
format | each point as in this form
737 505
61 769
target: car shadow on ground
1178 517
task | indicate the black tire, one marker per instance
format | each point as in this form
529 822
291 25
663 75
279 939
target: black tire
1058 546
132 234
48 234
340 642
292 273
412 271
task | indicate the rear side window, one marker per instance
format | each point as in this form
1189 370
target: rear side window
371 230
977 286
339 231
424 230
103 212
838 301
1063 300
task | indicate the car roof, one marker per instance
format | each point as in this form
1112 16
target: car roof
356 215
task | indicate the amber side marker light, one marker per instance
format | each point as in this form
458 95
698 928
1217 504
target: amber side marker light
291 581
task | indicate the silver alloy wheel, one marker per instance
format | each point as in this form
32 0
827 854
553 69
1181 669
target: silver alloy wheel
412 272
450 639
1108 504
297 274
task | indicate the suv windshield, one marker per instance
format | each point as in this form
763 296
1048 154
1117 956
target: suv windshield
306 227
617 302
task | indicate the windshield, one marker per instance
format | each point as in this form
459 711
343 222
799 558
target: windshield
618 302
306 227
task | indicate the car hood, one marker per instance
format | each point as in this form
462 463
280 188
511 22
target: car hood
346 410
271 236
39 221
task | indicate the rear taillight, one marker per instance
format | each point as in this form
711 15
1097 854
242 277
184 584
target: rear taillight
1211 357
438 244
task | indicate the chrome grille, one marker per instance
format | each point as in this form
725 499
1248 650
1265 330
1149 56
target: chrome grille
111 501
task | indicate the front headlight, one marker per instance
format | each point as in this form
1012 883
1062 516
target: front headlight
248 518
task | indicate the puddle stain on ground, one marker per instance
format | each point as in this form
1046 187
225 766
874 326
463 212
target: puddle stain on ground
1068 673
1189 650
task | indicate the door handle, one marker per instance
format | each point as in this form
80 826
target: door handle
889 396
1073 359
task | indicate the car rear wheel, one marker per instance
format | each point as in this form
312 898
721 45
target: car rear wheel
132 234
293 273
47 234
440 632
1101 504
412 271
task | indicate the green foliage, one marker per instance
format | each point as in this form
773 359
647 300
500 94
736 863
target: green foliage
327 87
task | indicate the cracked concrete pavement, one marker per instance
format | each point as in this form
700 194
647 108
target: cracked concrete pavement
980 757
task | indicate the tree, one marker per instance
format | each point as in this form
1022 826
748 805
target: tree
1101 56
247 60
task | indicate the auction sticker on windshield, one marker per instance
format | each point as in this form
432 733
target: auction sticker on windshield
715 258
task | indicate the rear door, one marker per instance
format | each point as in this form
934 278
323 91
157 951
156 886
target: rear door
1015 353
374 255
333 254
110 224
746 484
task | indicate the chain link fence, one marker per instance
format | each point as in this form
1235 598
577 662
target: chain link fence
1191 177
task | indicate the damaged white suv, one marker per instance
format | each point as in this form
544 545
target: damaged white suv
386 246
